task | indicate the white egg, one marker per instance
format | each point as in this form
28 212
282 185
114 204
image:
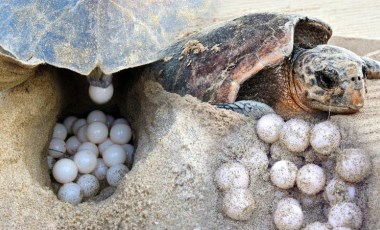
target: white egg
345 214
70 193
85 161
120 121
97 132
288 215
65 171
77 124
101 169
317 226
89 146
129 149
256 161
116 173
268 127
114 155
60 131
89 184
295 135
325 137
231 175
96 115
110 120
69 122
311 179
283 174
238 204
339 191
353 165
50 162
72 145
57 147
82 134
104 145
100 95
120 134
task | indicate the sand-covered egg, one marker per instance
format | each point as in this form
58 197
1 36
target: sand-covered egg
325 137
268 127
339 191
311 179
116 173
345 214
353 165
89 185
317 226
283 174
288 214
295 135
238 204
231 175
71 193
256 161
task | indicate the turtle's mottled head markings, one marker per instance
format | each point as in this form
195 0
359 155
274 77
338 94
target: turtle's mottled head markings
329 78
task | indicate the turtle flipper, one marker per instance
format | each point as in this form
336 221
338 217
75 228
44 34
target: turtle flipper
373 68
248 108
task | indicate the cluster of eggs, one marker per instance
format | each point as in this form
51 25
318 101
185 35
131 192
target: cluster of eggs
292 140
87 153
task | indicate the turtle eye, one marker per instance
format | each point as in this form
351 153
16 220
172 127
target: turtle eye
327 80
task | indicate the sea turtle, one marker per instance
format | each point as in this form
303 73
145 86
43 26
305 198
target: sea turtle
94 38
280 60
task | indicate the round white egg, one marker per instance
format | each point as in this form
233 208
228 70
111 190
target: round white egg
256 161
57 147
72 145
325 137
85 161
60 131
120 121
70 193
345 214
68 122
231 175
339 191
65 171
317 226
268 127
104 145
97 132
288 215
100 170
77 124
89 146
96 115
238 204
120 134
82 134
100 95
116 173
295 135
283 174
89 184
114 155
353 165
311 179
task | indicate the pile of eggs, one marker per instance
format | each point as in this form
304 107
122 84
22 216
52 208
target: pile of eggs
87 154
291 141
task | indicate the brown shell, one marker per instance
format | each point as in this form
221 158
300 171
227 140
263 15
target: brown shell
213 64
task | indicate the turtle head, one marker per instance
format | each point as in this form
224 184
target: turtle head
329 78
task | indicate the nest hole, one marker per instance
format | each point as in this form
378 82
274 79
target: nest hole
75 101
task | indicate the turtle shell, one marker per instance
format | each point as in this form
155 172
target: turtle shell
213 64
82 35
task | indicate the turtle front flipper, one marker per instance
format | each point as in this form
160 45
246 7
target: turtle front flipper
372 68
248 108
